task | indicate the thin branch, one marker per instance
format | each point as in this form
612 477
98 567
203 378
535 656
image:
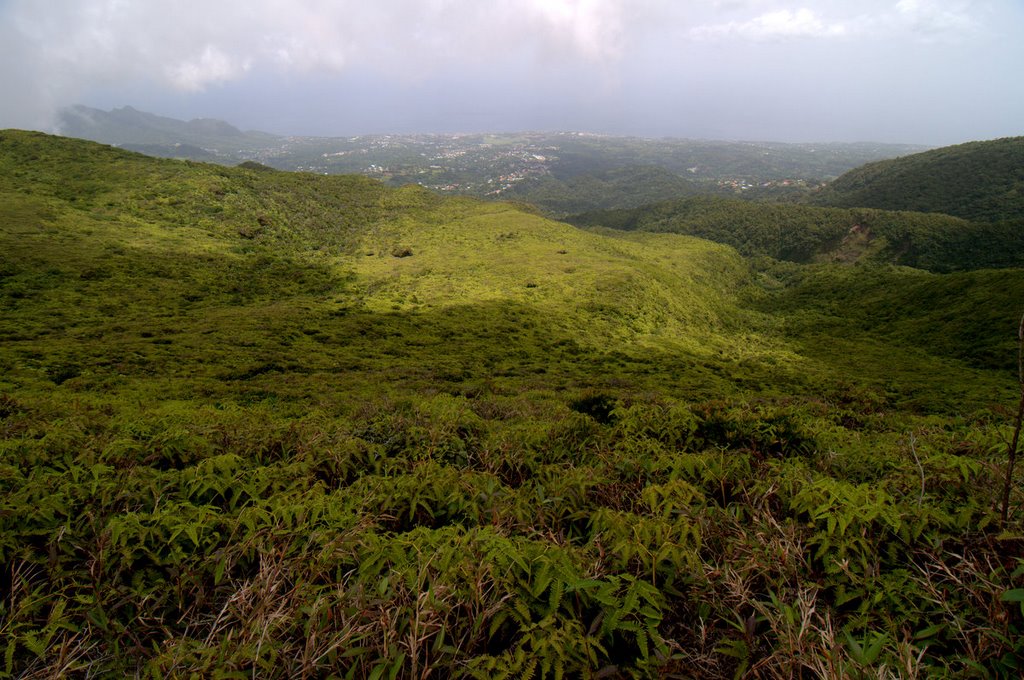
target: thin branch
920 468
1011 457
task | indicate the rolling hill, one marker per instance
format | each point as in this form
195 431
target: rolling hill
259 422
981 181
805 234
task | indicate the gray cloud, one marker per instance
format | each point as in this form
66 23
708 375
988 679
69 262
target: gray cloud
191 45
556 63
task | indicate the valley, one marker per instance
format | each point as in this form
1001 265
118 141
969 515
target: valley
311 424
562 173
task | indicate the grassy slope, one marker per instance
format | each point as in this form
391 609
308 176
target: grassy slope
164 240
241 434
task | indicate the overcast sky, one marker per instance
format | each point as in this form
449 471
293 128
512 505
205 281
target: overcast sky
923 71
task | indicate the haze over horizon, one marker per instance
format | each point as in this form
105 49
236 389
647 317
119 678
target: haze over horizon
916 71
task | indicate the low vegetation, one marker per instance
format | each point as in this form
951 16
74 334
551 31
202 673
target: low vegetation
260 423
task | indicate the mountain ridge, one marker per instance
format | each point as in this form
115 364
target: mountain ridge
981 181
813 233
127 126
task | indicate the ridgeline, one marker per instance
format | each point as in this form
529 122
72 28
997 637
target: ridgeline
980 181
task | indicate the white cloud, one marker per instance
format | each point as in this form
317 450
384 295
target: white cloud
211 66
932 20
777 24
916 20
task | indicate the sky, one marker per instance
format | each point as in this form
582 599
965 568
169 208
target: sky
929 72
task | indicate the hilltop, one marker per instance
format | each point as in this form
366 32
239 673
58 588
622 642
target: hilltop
99 198
286 424
981 181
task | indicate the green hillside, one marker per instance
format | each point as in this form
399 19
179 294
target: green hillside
286 425
981 181
801 233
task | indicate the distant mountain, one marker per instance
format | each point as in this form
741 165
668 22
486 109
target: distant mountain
976 181
199 139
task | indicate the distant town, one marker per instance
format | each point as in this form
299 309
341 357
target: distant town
484 165
561 173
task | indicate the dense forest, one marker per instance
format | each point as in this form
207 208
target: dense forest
981 181
260 423
803 233
622 187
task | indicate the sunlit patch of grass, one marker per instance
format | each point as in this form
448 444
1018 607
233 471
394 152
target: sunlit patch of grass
230 438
